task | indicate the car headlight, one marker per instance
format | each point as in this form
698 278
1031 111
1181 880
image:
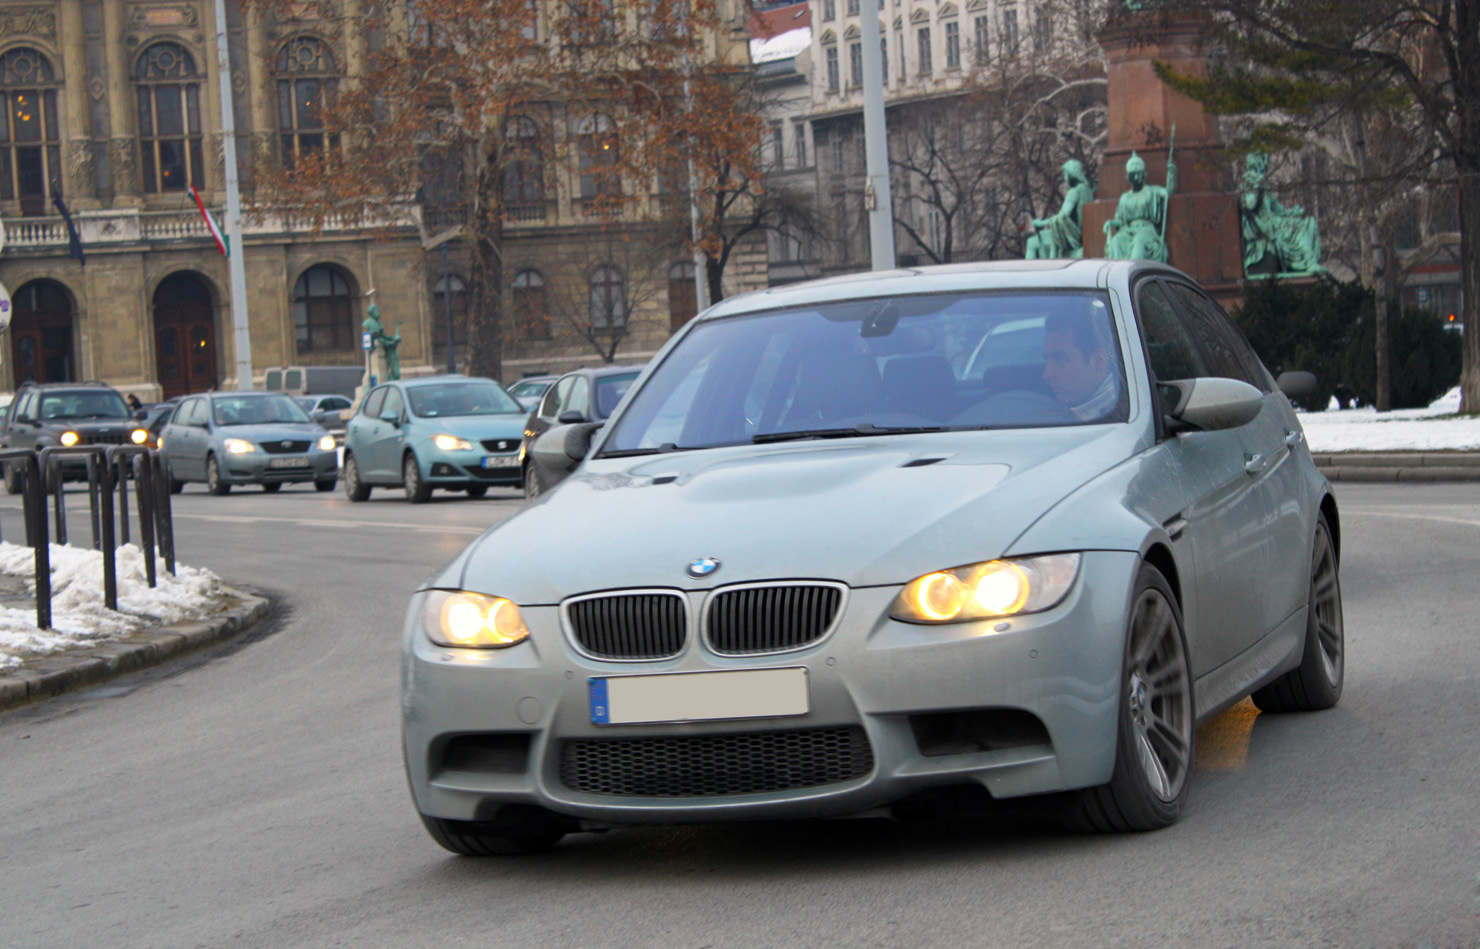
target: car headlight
138 436
452 443
987 590
239 446
472 620
326 443
69 439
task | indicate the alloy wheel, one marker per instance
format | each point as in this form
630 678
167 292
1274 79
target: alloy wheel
1325 600
1159 696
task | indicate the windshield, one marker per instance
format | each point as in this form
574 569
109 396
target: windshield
256 410
96 404
903 364
305 402
461 398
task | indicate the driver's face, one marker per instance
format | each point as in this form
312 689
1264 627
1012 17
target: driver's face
1071 374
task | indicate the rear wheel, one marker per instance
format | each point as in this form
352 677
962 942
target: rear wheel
1153 746
354 488
1315 683
534 485
417 490
272 487
476 490
471 840
214 484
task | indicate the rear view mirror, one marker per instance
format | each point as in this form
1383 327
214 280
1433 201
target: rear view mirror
1211 404
392 418
1297 384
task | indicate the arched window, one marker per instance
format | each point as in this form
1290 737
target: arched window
531 311
449 297
323 311
608 299
30 155
524 170
307 81
169 119
599 151
683 296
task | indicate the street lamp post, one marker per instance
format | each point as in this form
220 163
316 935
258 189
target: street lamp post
877 200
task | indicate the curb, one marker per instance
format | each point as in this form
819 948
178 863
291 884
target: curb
51 676
1430 466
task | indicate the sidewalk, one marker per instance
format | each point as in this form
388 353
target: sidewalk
1399 465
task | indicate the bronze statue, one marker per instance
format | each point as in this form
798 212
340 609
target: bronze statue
386 342
1278 240
1062 234
1140 219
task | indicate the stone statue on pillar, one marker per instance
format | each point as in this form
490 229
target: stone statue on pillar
1278 240
1062 234
1138 229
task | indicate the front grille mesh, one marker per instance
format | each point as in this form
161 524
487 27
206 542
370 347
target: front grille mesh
716 765
771 618
278 447
100 438
500 444
630 625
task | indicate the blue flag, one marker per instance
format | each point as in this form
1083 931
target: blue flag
74 240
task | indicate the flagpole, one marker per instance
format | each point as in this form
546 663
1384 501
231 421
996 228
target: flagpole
236 250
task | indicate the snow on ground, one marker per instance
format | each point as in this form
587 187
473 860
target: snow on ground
1436 428
78 617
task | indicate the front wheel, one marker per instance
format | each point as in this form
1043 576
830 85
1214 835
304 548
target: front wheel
214 484
417 490
325 484
469 840
1316 683
354 488
1153 745
534 485
476 490
272 487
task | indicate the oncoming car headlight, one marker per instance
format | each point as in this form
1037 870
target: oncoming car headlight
326 443
452 443
987 590
472 620
138 436
69 439
239 446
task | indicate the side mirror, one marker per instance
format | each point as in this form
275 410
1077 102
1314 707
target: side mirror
1297 384
570 417
564 446
393 418
140 414
1210 404
24 420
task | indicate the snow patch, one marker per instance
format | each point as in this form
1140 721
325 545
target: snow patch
1435 428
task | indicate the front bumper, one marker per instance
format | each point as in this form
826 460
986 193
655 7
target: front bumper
466 468
1060 669
257 467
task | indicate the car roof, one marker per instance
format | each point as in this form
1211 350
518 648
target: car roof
597 372
63 386
443 379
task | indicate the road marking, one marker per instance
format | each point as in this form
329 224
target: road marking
1372 512
299 521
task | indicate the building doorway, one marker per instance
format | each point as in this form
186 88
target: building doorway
41 334
184 335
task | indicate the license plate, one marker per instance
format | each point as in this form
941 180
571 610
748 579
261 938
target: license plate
501 461
287 463
698 696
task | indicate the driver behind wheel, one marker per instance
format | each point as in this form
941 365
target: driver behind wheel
1080 364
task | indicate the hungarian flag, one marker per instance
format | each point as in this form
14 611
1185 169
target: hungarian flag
210 221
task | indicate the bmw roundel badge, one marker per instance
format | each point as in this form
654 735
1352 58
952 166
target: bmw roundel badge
703 567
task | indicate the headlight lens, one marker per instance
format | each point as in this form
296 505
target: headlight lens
326 443
472 620
987 590
138 436
452 443
239 446
69 439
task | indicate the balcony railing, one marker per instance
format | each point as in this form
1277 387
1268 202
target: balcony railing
131 225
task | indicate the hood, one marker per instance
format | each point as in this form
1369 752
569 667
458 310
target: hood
474 427
272 432
93 426
867 511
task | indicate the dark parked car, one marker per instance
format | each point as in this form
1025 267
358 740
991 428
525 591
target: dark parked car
585 395
66 414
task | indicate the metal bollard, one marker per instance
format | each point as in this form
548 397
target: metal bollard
94 487
121 474
34 492
104 513
54 478
165 528
143 474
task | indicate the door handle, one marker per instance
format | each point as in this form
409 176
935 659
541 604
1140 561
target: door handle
1254 464
1294 438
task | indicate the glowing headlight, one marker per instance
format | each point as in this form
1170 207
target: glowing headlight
456 618
452 443
987 590
69 439
326 443
239 446
138 436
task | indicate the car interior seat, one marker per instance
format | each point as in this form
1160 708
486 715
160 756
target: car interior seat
921 385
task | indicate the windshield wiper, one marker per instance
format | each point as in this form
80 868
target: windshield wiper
857 431
662 449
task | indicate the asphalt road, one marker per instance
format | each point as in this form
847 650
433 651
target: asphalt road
254 796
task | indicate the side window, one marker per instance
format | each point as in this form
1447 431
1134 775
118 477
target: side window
393 402
198 413
181 413
335 405
579 399
27 408
373 402
1227 352
550 404
1169 347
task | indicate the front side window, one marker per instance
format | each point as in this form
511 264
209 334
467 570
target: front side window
323 311
307 82
1169 347
1224 348
30 144
461 398
953 362
169 119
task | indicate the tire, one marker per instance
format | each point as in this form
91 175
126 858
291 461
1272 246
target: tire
214 484
1316 683
354 488
534 484
469 840
417 490
1153 765
476 490
13 479
325 484
272 487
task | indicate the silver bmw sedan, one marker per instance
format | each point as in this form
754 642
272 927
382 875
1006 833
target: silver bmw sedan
965 533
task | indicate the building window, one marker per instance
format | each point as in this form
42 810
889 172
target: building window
838 152
306 83
853 7
799 140
531 309
683 296
829 9
531 27
599 151
922 38
169 119
324 311
1009 33
608 299
899 42
855 65
449 298
30 155
884 59
778 146
983 34
830 53
524 170
953 44
1042 32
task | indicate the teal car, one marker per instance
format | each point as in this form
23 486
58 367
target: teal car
449 432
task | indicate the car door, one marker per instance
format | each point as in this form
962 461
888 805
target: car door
20 427
1225 515
1286 536
366 432
185 440
391 446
